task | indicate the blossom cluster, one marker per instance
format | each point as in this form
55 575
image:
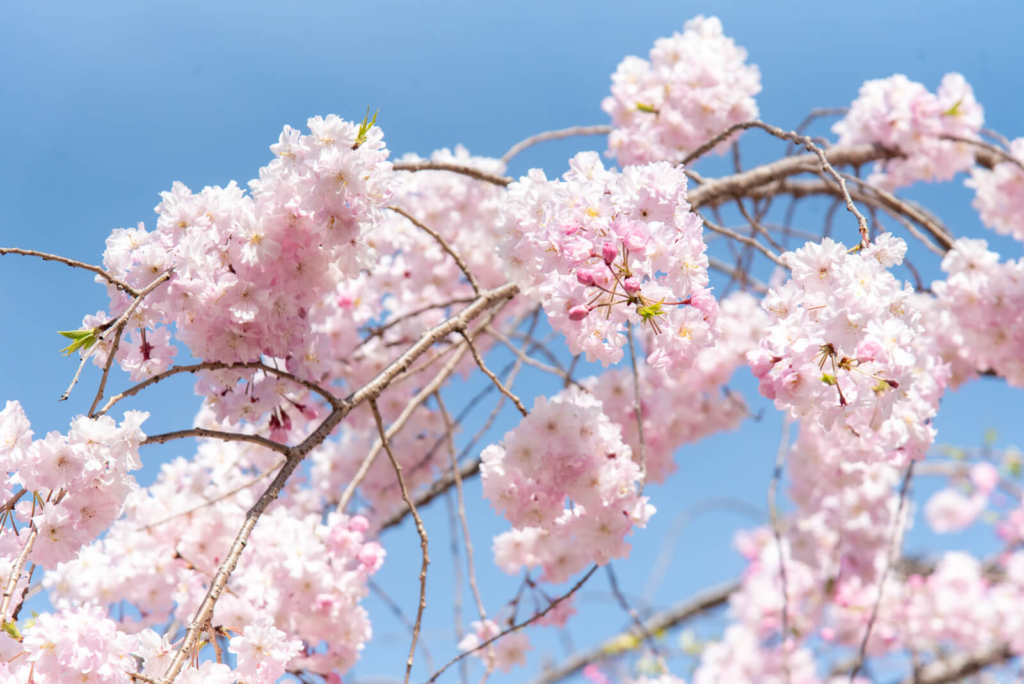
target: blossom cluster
696 84
903 115
71 645
999 193
844 346
985 298
77 482
565 448
245 269
161 556
686 407
603 249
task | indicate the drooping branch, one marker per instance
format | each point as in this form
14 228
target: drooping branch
449 250
427 165
554 135
119 284
219 365
420 529
704 601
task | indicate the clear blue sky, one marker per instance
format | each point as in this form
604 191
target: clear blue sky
104 105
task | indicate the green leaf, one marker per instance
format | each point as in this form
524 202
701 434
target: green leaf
954 110
83 339
646 108
828 378
1013 462
365 127
650 312
12 629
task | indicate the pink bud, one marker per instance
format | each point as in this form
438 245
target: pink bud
631 285
608 252
578 313
584 277
358 524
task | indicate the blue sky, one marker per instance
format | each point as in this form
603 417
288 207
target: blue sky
104 105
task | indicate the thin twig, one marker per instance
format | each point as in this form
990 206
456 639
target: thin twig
427 165
217 434
694 606
420 529
397 425
638 411
119 330
515 627
745 240
631 611
449 250
468 540
494 378
554 135
219 365
894 542
120 284
217 499
773 511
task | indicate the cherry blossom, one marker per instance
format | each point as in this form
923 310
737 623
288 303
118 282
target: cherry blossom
696 84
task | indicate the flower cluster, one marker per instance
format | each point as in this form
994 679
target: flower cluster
603 249
246 268
160 557
78 482
986 300
999 193
844 346
565 448
902 115
707 408
696 84
72 644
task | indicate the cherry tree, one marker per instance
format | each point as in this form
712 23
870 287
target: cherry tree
330 310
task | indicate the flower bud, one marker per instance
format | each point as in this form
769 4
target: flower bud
608 252
584 277
631 285
578 313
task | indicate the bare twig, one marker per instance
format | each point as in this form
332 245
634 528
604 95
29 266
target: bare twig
219 365
119 330
809 145
992 149
493 378
554 135
397 425
420 529
217 434
773 511
120 284
706 600
638 411
894 543
461 507
427 165
517 626
221 497
631 611
449 250
745 240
